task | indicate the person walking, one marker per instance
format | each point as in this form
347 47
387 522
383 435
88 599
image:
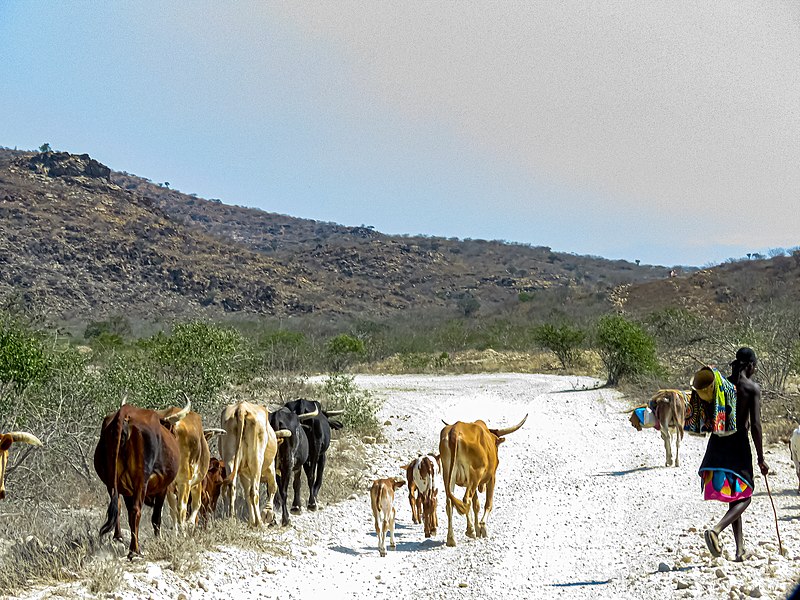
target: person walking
727 468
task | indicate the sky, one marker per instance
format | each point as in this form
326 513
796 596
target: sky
666 132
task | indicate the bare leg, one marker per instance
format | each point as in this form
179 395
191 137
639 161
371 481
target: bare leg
738 536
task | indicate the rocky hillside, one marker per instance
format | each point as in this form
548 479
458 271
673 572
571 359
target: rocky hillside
82 240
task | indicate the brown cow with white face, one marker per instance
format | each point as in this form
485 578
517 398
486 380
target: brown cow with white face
382 499
469 459
423 488
6 440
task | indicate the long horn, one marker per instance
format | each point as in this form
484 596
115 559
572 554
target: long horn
213 431
310 415
507 430
181 413
124 401
333 413
25 438
283 433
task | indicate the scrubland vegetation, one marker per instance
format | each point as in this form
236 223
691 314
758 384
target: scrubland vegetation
59 387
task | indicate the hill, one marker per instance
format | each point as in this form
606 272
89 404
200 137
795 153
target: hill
85 241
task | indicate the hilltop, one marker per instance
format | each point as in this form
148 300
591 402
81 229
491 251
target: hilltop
85 241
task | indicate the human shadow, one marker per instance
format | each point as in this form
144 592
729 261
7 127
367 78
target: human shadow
784 492
580 583
628 472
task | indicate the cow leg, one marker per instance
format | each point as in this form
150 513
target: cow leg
296 484
272 488
487 509
134 506
195 494
451 538
391 528
172 503
118 530
678 436
251 491
155 518
412 500
183 501
472 524
281 497
318 471
667 444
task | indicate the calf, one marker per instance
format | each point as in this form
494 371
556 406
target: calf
422 475
382 497
292 455
6 439
794 449
669 407
212 486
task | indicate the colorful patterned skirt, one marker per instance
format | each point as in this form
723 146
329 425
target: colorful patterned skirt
724 485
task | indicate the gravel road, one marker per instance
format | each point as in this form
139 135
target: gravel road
584 508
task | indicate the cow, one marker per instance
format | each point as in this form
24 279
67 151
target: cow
137 458
469 459
6 439
186 491
794 450
318 427
292 455
249 447
381 495
212 486
422 475
669 408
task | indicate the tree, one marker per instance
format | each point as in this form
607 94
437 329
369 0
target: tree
343 350
45 148
468 304
563 340
625 348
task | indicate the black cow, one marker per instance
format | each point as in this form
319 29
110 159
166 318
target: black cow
292 454
318 429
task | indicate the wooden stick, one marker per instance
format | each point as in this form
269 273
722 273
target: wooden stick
775 513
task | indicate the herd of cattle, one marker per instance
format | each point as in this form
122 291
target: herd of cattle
147 457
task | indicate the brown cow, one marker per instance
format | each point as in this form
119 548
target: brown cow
185 492
6 439
469 459
249 447
422 475
382 498
137 458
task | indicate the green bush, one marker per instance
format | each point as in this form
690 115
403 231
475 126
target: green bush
23 358
625 348
563 340
285 350
343 350
360 406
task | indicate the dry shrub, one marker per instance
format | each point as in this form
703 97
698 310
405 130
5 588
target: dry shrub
346 470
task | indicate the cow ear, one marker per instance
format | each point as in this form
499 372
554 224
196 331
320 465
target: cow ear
5 442
399 484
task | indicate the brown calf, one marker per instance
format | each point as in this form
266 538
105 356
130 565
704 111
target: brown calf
669 407
212 486
382 497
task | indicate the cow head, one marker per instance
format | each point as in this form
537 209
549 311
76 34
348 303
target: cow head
6 439
304 409
635 422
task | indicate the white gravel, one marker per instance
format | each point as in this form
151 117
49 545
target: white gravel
584 508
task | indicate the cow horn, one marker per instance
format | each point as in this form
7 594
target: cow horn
333 413
283 433
446 423
310 415
507 430
124 401
213 431
178 416
25 438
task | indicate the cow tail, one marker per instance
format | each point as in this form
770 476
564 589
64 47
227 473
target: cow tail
112 515
452 440
237 456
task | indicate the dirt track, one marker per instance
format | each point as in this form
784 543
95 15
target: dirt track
584 508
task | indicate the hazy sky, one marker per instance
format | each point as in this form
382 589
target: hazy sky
662 131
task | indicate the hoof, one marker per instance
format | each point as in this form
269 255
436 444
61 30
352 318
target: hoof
451 542
471 534
296 510
312 507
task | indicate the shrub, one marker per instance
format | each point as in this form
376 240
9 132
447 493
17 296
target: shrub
343 350
23 358
563 340
360 406
625 348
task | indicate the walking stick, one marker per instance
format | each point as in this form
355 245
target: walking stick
775 513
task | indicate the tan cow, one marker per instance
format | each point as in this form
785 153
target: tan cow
469 459
669 407
422 475
249 448
382 498
6 439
